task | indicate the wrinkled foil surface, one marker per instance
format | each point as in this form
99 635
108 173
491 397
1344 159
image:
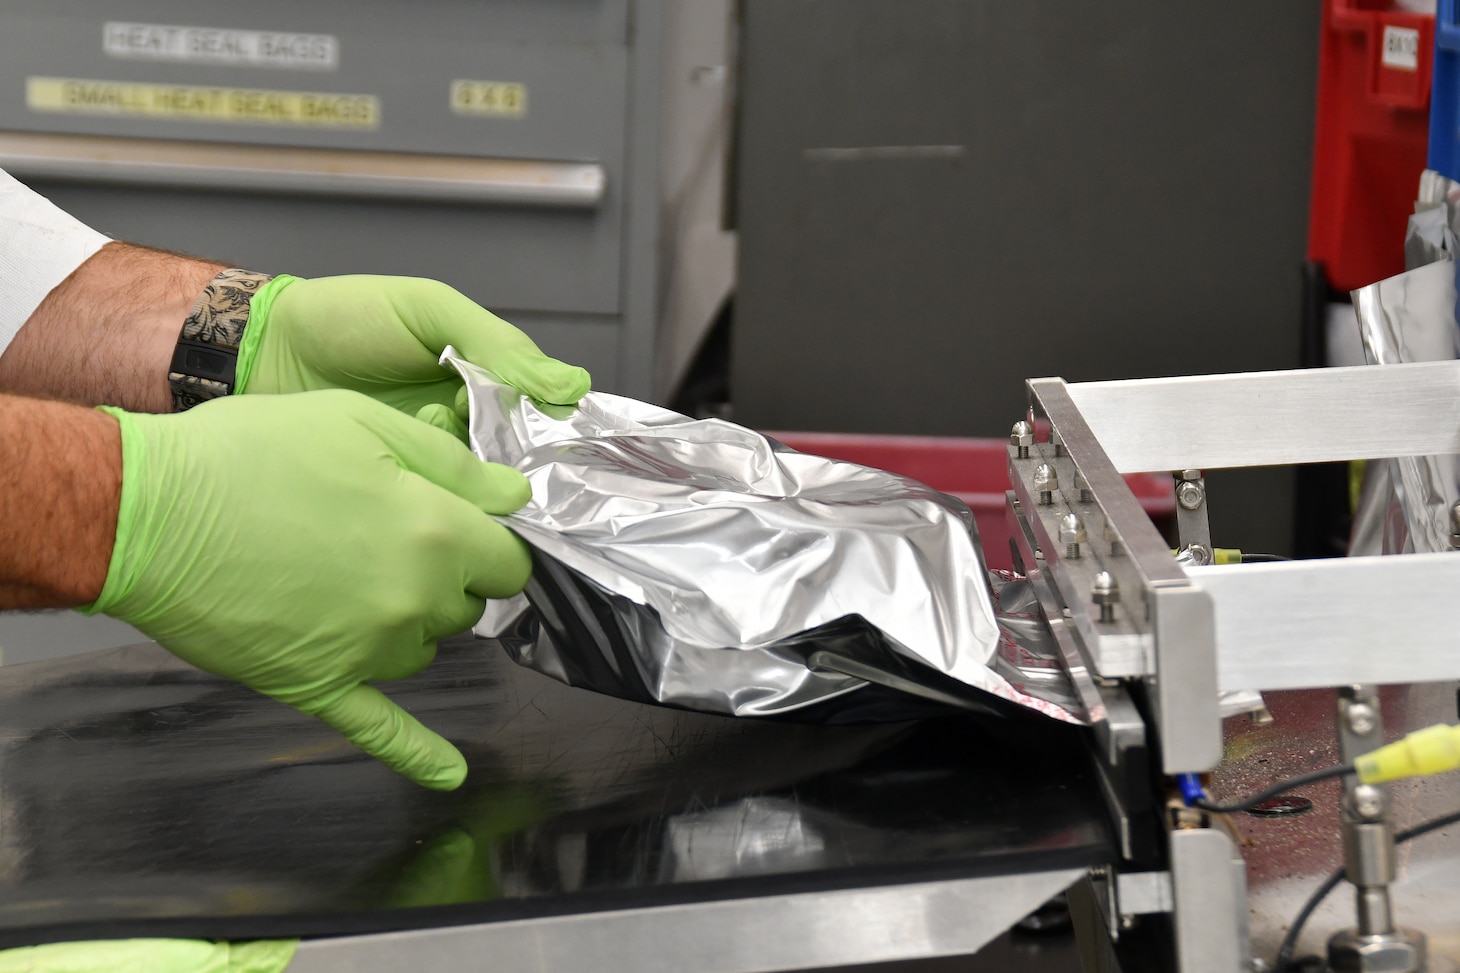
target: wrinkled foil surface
696 563
1405 503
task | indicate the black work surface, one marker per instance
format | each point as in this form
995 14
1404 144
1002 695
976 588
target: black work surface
139 796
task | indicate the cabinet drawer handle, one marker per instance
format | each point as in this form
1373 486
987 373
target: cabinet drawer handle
316 172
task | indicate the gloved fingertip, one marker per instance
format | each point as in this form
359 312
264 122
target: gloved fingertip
564 384
506 489
463 403
444 418
447 778
391 735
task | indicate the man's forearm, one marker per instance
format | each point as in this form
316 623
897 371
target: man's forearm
106 334
60 486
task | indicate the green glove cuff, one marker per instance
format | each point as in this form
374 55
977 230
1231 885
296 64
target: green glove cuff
118 582
253 335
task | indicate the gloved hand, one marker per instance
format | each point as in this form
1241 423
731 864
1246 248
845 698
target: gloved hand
151 956
306 544
383 336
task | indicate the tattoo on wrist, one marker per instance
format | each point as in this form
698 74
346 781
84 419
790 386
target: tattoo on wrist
205 363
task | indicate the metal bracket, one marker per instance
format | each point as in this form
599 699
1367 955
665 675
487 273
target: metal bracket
1193 526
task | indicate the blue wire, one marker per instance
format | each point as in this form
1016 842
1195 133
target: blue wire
1191 789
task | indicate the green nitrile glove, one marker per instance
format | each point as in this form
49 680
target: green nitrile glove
305 545
151 956
383 336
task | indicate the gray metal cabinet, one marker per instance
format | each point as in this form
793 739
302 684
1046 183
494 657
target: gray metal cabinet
508 147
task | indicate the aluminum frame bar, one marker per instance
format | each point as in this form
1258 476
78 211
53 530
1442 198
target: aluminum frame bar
779 932
1318 415
1308 624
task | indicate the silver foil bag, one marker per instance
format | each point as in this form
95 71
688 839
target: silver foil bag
1406 502
697 564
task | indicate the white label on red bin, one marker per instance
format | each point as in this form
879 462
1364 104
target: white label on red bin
1401 48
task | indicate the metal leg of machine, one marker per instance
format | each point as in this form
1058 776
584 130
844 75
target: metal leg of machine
1168 634
1376 944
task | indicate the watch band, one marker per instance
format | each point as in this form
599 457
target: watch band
205 363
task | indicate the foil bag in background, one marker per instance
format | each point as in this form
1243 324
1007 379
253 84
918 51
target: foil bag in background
697 564
1406 502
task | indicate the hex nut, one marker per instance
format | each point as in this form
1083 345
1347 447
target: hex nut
1022 437
1190 495
1361 719
1402 951
1105 593
1368 801
1198 553
1046 481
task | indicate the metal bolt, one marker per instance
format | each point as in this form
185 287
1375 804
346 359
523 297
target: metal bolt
1072 534
1190 495
1198 553
1059 447
1106 595
1362 720
1080 484
1455 525
1046 481
1113 539
1022 437
1368 801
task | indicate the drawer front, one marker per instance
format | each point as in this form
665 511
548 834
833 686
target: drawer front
560 67
504 260
305 195
504 257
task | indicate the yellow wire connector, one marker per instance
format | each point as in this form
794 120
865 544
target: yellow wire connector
1433 750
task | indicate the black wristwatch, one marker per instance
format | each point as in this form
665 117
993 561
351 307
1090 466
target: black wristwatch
205 363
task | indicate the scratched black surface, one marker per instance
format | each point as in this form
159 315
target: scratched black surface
139 796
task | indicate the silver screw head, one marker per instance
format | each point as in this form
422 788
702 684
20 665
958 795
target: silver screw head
1022 437
1368 801
1072 529
1190 495
1361 718
1193 554
1084 487
1188 475
1105 592
1046 481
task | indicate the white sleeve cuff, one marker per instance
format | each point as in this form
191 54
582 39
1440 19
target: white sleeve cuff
39 247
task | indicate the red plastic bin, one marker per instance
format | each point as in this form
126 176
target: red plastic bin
975 471
1369 139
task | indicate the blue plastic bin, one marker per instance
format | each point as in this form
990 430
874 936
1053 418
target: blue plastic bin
1444 154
